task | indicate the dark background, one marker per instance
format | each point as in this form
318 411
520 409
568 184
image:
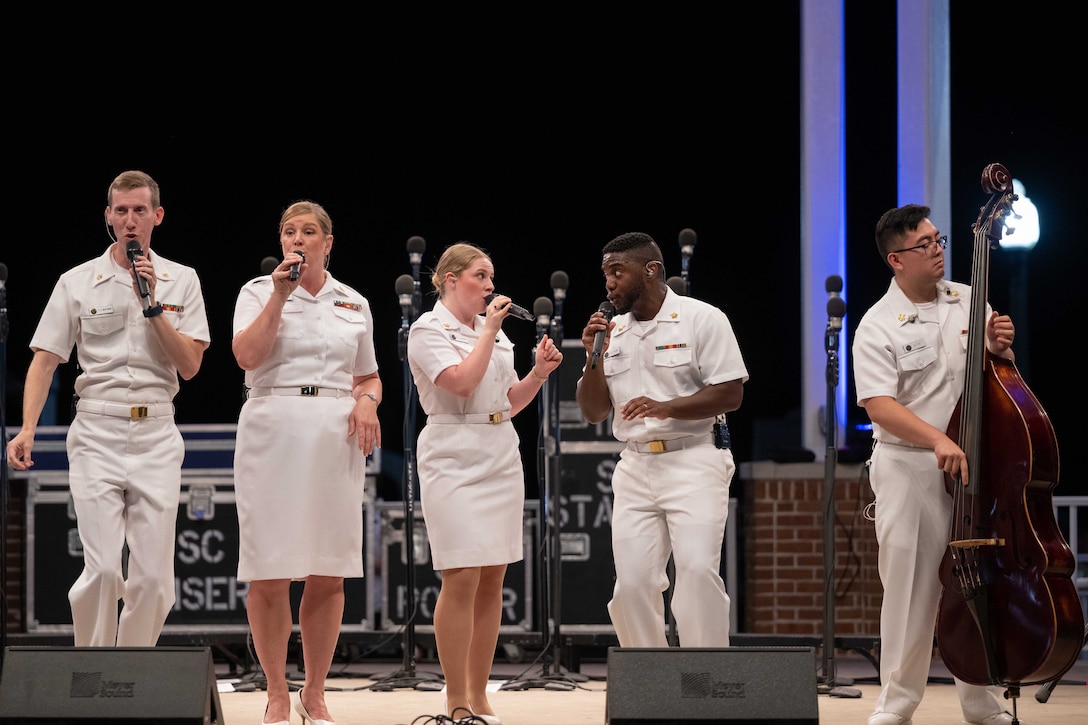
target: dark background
540 136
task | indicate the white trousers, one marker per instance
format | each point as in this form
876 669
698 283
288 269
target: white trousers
670 503
125 479
913 512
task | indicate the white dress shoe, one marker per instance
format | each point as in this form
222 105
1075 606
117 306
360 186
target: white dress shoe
998 718
887 718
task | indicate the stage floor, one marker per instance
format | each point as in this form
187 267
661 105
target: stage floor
352 698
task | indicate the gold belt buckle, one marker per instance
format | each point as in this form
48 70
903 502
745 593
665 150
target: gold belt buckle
658 447
137 411
493 418
309 390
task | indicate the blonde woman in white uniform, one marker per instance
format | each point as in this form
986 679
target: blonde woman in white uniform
472 486
308 423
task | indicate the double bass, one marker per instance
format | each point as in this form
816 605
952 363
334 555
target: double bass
1009 612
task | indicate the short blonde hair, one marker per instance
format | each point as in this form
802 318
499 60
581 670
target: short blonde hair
307 207
456 259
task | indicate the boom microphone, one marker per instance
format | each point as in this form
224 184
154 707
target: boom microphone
519 312
294 269
405 287
560 281
134 250
598 339
677 285
542 310
836 306
687 242
269 264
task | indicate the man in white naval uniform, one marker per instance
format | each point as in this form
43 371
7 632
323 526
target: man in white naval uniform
909 361
136 326
671 368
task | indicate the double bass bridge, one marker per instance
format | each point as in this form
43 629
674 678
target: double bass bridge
976 543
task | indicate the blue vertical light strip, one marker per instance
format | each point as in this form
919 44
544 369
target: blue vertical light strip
823 212
924 115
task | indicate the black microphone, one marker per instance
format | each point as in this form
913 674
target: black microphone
269 264
677 284
134 250
294 268
542 310
416 246
405 286
560 282
687 242
598 339
836 306
519 312
687 248
3 302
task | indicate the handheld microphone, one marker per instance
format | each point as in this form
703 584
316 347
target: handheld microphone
405 286
134 250
677 285
294 269
542 310
515 311
269 264
836 306
598 339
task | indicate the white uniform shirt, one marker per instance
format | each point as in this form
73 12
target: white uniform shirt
437 341
327 334
688 345
94 309
916 354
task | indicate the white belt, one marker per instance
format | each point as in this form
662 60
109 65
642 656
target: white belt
676 444
449 418
123 410
308 391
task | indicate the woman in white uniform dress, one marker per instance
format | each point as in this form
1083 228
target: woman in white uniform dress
308 423
472 485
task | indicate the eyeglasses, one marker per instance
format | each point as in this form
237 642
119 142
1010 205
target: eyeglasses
930 246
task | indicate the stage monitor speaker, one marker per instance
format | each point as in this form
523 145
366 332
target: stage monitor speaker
125 685
674 685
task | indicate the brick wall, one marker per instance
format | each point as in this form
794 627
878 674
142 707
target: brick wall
783 524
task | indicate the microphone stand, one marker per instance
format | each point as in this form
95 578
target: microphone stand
554 470
687 249
551 571
407 676
4 493
828 682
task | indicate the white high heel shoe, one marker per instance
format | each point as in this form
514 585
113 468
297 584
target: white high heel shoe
487 719
277 722
301 710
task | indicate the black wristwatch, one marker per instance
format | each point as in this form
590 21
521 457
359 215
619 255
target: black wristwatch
152 311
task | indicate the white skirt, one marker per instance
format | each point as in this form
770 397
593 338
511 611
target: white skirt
472 494
299 483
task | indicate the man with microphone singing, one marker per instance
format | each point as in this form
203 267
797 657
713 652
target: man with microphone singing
137 322
671 368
